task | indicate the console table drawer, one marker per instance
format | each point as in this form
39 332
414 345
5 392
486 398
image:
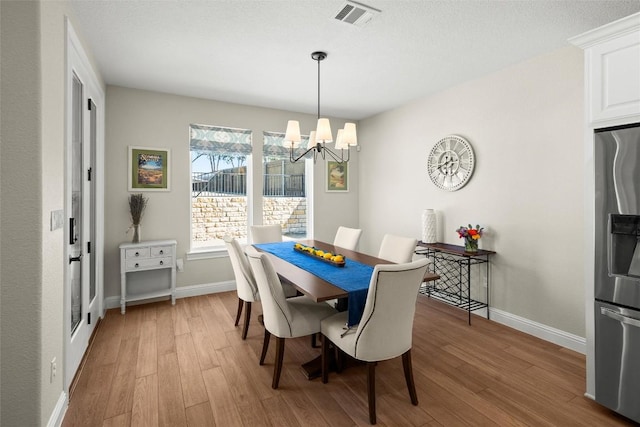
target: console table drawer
157 251
148 263
137 253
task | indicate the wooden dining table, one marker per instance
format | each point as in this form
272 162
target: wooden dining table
320 290
311 285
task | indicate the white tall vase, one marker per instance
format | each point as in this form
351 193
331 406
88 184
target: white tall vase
429 226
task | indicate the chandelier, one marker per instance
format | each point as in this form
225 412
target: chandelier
319 138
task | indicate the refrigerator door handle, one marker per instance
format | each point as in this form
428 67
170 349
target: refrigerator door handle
619 317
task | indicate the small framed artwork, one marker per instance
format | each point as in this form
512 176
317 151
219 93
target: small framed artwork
148 169
337 176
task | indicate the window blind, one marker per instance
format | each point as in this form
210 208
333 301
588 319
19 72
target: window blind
220 140
273 146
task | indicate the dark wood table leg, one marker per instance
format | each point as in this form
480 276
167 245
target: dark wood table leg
313 368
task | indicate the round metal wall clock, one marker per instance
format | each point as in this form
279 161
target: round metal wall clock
450 163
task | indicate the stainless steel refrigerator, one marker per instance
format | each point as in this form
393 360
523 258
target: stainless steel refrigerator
617 269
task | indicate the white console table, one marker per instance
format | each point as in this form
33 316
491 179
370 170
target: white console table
145 256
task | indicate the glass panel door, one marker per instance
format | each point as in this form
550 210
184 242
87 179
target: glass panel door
75 222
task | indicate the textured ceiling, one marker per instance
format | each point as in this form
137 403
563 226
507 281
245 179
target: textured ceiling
258 52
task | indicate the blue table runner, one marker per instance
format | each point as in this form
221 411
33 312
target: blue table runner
354 277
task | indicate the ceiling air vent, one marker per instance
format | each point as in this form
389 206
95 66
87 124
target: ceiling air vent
356 14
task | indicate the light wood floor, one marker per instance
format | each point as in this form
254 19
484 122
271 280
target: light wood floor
186 365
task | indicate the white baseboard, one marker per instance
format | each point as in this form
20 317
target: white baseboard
547 333
204 289
55 420
181 292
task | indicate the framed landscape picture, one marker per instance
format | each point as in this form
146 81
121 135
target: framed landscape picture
337 176
148 169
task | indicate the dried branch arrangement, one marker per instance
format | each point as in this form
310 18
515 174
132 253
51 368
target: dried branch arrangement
137 203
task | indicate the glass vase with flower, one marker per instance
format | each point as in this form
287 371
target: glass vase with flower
471 235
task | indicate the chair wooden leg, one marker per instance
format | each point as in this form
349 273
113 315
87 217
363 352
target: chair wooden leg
408 376
325 359
277 369
247 319
265 346
240 303
371 390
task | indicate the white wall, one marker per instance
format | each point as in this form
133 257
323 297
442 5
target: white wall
32 185
151 119
525 125
21 243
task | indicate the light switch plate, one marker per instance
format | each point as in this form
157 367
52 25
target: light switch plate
57 219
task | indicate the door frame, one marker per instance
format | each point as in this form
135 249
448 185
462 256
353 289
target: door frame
77 62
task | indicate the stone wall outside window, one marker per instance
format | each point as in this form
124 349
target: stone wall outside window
213 217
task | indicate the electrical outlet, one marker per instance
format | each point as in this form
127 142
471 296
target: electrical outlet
54 369
180 265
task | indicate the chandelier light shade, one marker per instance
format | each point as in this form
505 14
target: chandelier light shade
322 135
350 136
323 131
340 145
312 139
292 137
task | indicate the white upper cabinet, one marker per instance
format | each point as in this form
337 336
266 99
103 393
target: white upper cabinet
612 69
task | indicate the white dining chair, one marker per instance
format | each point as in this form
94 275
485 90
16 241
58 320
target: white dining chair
246 286
347 237
398 249
386 326
266 233
283 317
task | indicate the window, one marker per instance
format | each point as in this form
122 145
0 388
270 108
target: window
286 186
220 173
220 160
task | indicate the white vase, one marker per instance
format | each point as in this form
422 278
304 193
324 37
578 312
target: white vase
429 226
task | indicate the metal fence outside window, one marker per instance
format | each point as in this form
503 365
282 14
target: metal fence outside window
211 184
